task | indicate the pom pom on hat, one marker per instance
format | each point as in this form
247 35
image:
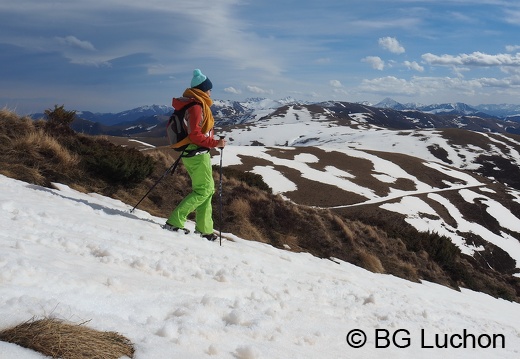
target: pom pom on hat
200 81
198 78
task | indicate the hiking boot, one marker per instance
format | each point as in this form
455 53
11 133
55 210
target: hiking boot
210 237
169 227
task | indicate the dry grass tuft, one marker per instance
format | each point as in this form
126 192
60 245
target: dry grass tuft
24 173
167 158
347 232
240 209
11 125
370 262
30 154
38 144
57 339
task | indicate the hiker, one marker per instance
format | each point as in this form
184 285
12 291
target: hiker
196 158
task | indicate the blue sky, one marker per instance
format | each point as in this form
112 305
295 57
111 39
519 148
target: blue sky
114 55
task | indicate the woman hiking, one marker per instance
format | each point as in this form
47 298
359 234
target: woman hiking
196 158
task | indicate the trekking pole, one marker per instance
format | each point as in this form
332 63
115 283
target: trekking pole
171 169
220 195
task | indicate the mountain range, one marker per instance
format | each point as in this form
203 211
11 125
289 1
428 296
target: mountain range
501 111
150 120
243 111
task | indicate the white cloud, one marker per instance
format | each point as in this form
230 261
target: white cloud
341 91
458 70
473 59
512 17
233 42
375 61
511 70
389 84
335 83
462 17
258 90
232 90
512 48
391 44
73 41
414 66
438 86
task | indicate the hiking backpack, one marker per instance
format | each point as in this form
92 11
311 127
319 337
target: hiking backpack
177 126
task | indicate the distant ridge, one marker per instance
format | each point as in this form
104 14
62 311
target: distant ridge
262 106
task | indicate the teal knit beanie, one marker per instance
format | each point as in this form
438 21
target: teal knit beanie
200 81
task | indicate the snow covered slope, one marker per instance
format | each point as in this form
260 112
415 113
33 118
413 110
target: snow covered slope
429 176
84 257
299 126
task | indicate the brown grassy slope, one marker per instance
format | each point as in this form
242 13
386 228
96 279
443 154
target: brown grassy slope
257 215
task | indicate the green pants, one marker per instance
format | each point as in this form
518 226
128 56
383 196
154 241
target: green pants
199 200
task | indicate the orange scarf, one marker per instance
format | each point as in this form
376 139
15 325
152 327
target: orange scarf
207 117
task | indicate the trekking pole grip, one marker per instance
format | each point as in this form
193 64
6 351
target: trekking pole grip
222 138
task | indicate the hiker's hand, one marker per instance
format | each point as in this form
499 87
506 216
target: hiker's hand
221 143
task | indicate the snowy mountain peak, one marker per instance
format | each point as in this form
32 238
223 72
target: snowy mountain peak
388 103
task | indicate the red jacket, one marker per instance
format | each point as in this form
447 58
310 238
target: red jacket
195 119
